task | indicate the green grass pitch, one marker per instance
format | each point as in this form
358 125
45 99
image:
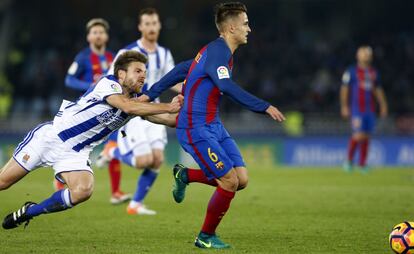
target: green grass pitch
283 210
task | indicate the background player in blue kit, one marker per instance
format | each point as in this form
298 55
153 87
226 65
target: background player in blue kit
199 129
360 90
87 68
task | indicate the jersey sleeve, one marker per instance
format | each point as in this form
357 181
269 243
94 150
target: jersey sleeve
74 74
111 68
217 68
346 77
176 75
169 62
107 87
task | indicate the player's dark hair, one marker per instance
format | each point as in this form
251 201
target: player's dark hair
97 22
123 61
224 11
146 11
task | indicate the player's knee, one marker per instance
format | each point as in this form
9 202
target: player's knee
158 161
243 177
4 184
81 192
230 181
144 161
242 183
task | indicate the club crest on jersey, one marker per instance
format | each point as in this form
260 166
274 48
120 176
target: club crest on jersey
26 158
115 88
223 72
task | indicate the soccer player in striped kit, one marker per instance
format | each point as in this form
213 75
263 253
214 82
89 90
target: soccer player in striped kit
140 144
359 93
65 143
87 68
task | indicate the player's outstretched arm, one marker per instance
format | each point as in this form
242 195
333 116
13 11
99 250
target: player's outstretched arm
218 70
133 107
165 119
176 75
275 114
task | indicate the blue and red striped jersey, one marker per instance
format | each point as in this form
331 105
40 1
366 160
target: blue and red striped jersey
87 68
362 83
208 78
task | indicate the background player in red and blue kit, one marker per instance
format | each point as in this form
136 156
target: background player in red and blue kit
88 67
360 90
199 128
91 63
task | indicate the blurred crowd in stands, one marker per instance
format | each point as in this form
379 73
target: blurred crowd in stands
295 58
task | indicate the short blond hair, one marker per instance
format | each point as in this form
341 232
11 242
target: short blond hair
97 22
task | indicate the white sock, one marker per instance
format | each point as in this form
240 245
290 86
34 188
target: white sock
134 203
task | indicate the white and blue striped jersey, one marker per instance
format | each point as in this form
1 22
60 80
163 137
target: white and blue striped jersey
159 63
86 123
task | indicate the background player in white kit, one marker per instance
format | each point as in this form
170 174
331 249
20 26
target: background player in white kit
65 143
140 144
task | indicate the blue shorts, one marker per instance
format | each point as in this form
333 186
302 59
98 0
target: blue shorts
212 148
363 122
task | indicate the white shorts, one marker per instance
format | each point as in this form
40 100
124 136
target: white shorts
141 137
42 147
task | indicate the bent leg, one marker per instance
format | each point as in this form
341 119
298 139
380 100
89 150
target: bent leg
80 186
11 173
242 176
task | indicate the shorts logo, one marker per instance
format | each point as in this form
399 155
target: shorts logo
223 72
220 165
26 157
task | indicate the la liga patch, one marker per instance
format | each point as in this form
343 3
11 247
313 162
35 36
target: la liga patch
223 72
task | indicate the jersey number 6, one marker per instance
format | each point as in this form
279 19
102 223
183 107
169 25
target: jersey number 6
212 155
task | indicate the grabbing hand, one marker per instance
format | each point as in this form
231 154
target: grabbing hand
176 103
179 98
274 113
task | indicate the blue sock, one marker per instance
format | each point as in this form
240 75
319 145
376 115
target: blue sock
59 201
145 181
128 158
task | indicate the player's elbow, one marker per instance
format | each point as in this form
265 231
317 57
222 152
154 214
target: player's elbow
127 107
68 81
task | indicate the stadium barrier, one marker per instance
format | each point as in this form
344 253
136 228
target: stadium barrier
270 150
